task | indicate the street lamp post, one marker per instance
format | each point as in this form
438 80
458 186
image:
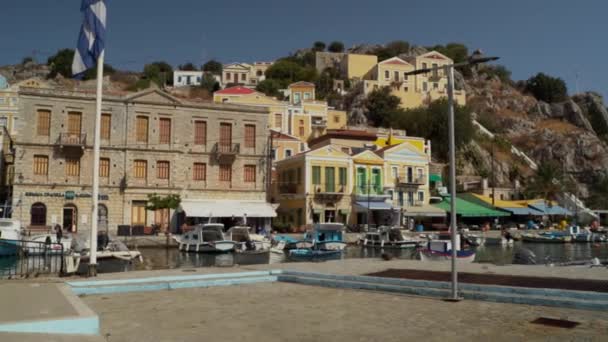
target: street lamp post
449 70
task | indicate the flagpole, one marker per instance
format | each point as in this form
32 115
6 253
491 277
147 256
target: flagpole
95 195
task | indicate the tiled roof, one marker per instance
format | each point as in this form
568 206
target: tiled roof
237 90
282 136
345 134
302 84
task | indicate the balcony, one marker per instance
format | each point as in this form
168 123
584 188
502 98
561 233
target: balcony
411 181
225 153
72 140
289 188
329 191
318 122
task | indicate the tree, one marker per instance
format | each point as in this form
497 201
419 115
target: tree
156 202
381 106
318 46
500 71
213 67
456 51
210 83
336 47
547 88
27 59
188 67
286 71
91 74
160 73
270 87
61 63
548 182
392 49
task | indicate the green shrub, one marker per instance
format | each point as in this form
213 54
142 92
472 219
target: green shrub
547 88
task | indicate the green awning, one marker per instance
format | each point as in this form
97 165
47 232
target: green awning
469 209
435 178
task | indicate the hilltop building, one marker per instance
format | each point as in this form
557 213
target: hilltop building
249 75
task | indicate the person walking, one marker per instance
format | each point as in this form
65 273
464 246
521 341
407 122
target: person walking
58 233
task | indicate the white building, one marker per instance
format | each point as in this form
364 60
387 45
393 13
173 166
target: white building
187 78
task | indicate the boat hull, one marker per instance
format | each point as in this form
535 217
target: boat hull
464 256
331 245
8 248
546 239
313 254
390 244
206 247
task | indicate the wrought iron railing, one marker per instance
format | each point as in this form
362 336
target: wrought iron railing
71 139
219 148
22 259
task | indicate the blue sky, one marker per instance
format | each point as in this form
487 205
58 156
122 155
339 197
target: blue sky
560 37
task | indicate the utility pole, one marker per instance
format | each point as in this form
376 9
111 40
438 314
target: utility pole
368 203
493 177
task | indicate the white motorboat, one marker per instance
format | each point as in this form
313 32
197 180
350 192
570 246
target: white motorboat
387 237
245 242
205 238
441 250
34 245
326 236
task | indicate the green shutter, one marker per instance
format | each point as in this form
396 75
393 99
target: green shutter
330 179
361 181
316 175
343 176
377 181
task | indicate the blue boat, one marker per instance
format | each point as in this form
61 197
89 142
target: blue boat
327 236
311 254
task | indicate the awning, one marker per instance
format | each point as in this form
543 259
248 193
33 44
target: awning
469 209
227 208
434 178
363 205
550 210
426 210
519 208
523 211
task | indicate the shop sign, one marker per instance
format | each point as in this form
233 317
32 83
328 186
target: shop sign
68 195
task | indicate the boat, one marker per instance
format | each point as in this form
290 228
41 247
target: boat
10 237
311 254
327 236
387 237
278 247
546 237
245 242
441 250
473 239
35 245
498 241
205 238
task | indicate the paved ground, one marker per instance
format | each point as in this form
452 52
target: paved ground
28 301
289 312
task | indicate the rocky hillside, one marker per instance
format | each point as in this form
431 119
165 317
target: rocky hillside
571 132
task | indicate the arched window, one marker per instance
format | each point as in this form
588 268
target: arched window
38 214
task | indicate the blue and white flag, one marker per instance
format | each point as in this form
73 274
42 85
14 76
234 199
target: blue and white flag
91 41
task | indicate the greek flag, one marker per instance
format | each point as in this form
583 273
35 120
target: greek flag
91 41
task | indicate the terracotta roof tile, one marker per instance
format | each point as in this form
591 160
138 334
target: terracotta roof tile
237 90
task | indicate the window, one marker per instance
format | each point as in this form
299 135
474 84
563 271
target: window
435 71
44 122
342 176
228 76
141 129
336 118
243 77
259 73
390 194
296 97
287 153
405 76
162 169
420 174
410 198
377 181
362 180
301 131
306 96
387 74
435 85
249 174
410 175
395 172
225 136
425 86
164 129
106 126
200 132
41 165
225 173
396 76
179 79
250 136
3 121
274 154
140 169
104 167
424 65
278 120
330 179
198 79
38 214
138 214
72 167
74 123
316 175
421 196
199 171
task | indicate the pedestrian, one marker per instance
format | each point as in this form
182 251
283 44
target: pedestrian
58 233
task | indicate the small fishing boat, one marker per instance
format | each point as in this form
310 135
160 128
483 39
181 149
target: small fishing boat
10 236
278 247
327 236
245 242
548 237
473 239
388 237
311 254
205 238
441 250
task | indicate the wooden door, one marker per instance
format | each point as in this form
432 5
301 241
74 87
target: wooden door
225 136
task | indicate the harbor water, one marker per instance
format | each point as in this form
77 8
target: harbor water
170 258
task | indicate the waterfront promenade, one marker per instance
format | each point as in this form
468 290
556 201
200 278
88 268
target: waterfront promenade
278 311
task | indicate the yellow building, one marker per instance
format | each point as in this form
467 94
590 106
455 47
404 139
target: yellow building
413 90
302 116
314 186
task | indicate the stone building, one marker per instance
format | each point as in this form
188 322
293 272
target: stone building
213 155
